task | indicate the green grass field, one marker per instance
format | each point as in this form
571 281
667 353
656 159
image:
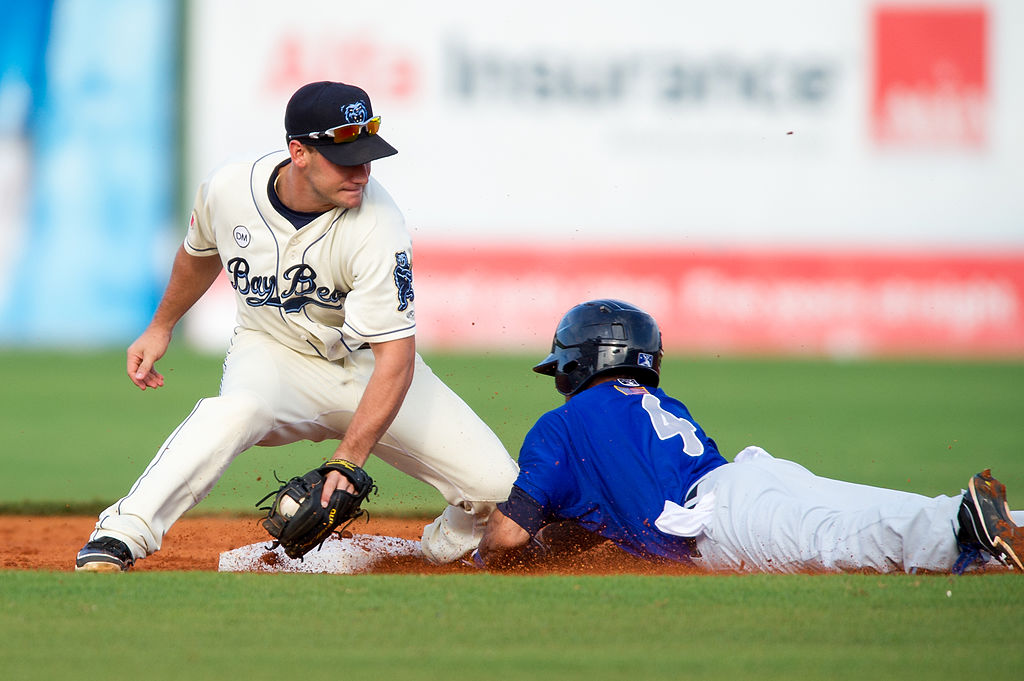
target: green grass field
920 426
77 434
211 626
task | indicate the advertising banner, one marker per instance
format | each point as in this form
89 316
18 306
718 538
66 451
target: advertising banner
840 305
792 176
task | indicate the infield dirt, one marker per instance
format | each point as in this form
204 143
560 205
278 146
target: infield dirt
195 543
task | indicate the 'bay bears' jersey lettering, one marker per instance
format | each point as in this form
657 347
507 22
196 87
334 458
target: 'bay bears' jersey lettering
298 289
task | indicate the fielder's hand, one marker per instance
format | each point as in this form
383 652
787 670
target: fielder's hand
335 481
299 522
142 356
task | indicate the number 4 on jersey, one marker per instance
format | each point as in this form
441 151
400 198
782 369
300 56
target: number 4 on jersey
668 425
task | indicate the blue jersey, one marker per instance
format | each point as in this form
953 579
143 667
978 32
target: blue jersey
608 459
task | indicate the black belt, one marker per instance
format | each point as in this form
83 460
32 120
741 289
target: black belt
691 495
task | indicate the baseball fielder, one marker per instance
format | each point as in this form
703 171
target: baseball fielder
320 262
624 461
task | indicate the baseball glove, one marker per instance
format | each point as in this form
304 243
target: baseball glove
296 519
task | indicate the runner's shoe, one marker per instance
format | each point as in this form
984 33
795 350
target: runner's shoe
986 523
104 554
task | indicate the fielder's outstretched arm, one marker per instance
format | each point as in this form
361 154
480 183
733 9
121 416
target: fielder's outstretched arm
191 277
394 362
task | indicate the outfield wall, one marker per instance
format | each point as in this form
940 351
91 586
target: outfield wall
791 176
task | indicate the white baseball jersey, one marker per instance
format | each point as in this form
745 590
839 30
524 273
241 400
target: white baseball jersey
342 280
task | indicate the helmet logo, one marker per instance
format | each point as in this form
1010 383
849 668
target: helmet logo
645 360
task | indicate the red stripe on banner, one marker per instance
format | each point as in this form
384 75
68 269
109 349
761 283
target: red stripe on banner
510 298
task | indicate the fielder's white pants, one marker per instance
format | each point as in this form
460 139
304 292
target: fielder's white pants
271 395
762 514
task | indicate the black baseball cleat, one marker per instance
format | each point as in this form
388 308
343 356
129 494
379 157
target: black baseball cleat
986 523
104 554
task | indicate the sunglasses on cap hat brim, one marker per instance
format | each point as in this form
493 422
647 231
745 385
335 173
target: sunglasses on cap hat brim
343 133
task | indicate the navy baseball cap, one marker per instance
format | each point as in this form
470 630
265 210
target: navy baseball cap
338 120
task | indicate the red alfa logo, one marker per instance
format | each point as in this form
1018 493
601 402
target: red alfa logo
931 76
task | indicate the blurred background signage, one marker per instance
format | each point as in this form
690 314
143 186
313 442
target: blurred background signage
788 177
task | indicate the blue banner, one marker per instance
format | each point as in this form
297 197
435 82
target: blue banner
88 103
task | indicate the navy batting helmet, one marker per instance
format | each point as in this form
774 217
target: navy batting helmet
599 337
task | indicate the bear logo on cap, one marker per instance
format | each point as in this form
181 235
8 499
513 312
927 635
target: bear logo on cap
354 113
